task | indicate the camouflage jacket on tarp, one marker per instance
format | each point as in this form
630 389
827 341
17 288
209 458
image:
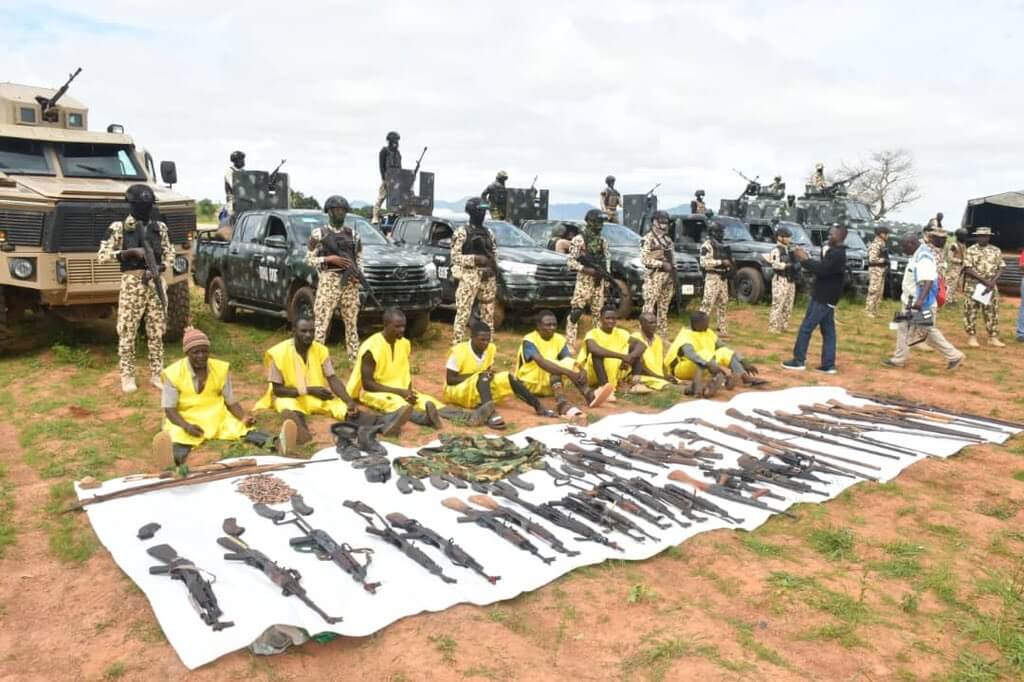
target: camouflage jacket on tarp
474 458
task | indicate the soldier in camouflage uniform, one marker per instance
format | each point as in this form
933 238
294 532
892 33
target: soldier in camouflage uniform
783 281
389 157
331 291
237 165
496 196
878 263
717 263
589 291
610 200
656 253
818 179
982 264
955 267
126 243
697 205
474 265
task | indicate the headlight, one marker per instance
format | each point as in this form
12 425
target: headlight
431 270
22 268
514 268
180 265
62 272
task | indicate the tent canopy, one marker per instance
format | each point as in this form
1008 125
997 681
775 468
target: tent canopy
1004 213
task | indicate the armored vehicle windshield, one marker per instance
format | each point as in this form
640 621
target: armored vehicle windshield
89 160
18 156
620 235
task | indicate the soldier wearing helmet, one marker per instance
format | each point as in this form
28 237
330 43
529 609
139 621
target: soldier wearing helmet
778 187
586 250
388 158
126 243
784 271
496 196
716 261
334 249
610 199
818 179
474 264
657 252
878 263
697 205
237 164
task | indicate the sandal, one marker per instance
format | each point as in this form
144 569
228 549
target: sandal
543 412
601 395
496 421
714 386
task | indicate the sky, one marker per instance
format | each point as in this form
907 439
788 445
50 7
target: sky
649 91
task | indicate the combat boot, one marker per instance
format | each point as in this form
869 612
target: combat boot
156 382
994 341
393 422
128 385
480 415
972 341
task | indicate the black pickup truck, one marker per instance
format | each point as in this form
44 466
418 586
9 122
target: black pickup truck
263 269
529 276
626 265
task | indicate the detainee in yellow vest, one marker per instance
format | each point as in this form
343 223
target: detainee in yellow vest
382 378
648 369
302 381
697 354
607 355
544 358
471 382
199 403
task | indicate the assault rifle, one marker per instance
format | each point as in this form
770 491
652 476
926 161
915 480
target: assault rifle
320 543
726 494
874 417
555 516
48 103
605 492
921 407
825 426
285 578
493 523
200 590
332 245
274 175
684 499
597 512
482 241
573 453
414 530
395 539
525 524
809 435
416 169
152 267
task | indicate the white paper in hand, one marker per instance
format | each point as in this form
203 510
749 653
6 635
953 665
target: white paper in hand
981 294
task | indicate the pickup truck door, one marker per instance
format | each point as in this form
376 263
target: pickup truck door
273 266
239 264
438 247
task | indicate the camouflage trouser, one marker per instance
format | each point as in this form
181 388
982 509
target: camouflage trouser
954 283
783 292
990 311
876 286
472 287
137 301
589 291
330 293
716 298
612 215
658 289
497 212
382 194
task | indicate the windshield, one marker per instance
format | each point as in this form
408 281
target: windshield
857 211
620 235
23 156
304 224
853 241
797 233
508 235
87 160
734 231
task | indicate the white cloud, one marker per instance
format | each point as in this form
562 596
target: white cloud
669 92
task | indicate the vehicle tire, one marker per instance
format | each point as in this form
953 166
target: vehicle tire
625 299
749 285
417 324
301 304
499 315
179 311
217 296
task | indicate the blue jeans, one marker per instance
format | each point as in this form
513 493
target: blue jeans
818 315
1020 313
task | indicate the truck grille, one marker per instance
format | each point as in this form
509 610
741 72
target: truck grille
555 273
23 228
82 226
394 278
83 271
687 268
854 264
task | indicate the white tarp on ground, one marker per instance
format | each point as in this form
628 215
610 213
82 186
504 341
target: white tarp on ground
191 518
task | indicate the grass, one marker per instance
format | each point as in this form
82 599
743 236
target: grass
760 547
70 540
747 640
1003 509
7 528
513 620
640 593
902 561
834 543
446 645
114 671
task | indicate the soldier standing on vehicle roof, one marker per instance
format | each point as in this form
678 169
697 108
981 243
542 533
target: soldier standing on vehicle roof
346 252
778 187
473 262
389 157
656 253
783 281
126 243
697 206
878 263
818 179
589 291
237 165
610 200
496 196
717 263
982 265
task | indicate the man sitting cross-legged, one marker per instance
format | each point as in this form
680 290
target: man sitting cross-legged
608 355
544 359
697 354
647 373
302 381
472 383
199 404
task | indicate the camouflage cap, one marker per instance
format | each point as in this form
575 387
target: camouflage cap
660 215
983 231
503 175
819 166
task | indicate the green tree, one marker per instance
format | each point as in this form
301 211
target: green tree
299 200
207 211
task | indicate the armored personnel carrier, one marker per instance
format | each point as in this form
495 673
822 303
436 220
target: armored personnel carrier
61 185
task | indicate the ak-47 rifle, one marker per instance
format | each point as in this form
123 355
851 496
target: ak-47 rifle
573 452
394 538
285 578
320 543
493 523
481 240
274 175
726 494
200 589
524 524
414 530
799 433
48 103
332 244
555 516
416 168
963 417
152 267
598 512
